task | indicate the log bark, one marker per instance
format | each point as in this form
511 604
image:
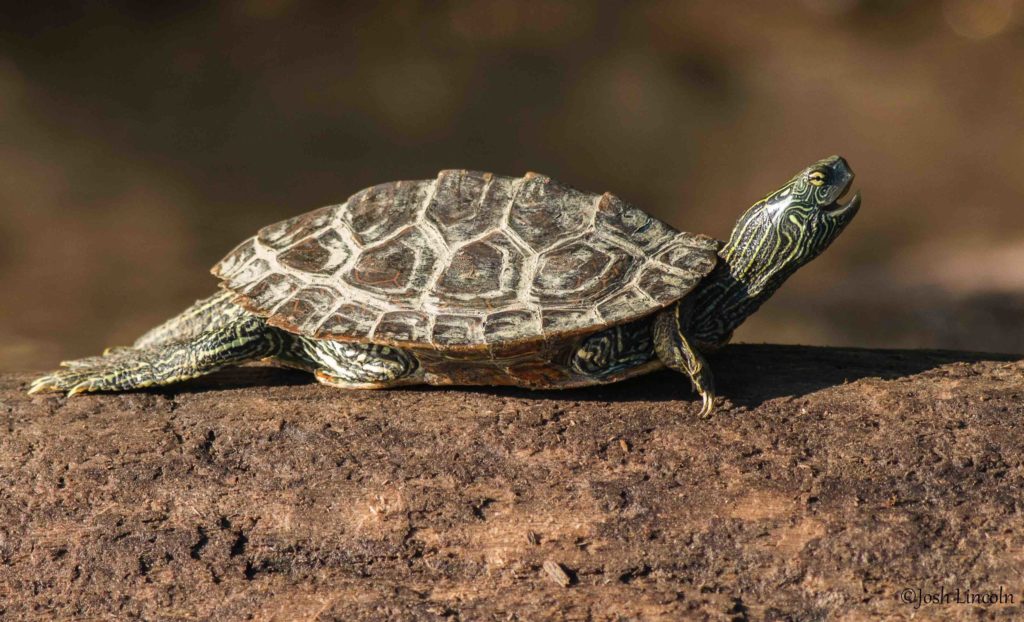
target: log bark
828 483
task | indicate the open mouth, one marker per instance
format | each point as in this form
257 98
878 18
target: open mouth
838 208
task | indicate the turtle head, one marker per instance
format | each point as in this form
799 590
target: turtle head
775 237
792 225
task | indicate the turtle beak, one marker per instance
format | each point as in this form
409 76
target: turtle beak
844 211
838 210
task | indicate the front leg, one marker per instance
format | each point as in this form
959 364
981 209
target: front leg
611 353
677 352
354 365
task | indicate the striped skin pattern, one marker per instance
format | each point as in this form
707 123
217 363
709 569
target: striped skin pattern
356 365
676 350
244 339
186 347
563 239
614 350
772 240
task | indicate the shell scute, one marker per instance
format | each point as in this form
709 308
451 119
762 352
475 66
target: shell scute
680 254
273 290
627 223
466 204
456 330
485 272
662 285
349 318
545 212
506 325
247 275
463 263
322 254
555 321
379 211
403 326
287 232
394 267
581 272
241 258
305 310
628 302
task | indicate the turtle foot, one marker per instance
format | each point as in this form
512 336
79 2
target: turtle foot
124 369
90 374
61 382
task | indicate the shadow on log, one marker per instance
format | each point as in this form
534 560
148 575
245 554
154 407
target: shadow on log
828 483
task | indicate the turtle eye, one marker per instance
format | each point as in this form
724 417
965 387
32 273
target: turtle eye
818 178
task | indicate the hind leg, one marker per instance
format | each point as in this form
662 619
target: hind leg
244 340
354 365
203 316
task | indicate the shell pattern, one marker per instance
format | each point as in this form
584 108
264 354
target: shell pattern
466 261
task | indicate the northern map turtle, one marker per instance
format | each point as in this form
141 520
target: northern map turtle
479 279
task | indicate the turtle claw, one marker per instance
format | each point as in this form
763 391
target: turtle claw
48 383
79 388
39 386
707 406
73 379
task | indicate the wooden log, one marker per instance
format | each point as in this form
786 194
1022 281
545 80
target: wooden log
828 483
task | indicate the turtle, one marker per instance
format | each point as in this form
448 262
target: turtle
473 278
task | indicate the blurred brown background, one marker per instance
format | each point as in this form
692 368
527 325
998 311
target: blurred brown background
140 141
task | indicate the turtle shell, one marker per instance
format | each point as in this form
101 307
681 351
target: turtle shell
465 261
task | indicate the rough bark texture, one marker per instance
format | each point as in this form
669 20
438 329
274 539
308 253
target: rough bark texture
829 482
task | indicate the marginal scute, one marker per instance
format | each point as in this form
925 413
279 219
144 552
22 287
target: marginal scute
626 222
555 321
248 274
680 254
285 233
272 290
662 285
454 330
403 326
624 304
318 255
506 325
236 260
465 263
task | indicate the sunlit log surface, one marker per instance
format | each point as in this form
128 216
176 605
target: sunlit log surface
828 482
